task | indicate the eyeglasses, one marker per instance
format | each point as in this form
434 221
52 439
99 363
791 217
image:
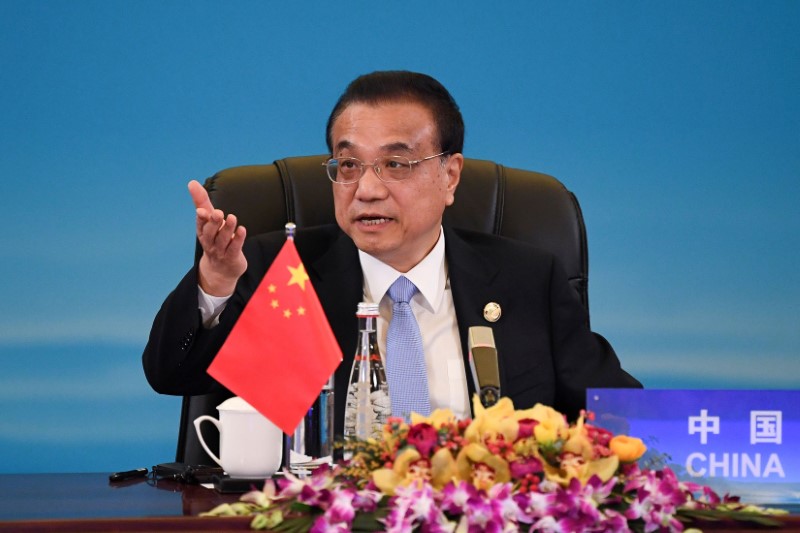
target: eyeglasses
388 168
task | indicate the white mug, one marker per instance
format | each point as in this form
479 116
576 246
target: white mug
250 446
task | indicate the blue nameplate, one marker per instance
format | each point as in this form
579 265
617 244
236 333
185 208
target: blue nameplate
741 442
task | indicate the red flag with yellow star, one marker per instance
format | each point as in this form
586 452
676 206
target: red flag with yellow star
281 351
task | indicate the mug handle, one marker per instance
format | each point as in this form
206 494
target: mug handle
199 420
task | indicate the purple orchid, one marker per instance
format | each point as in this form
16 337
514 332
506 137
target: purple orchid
482 515
292 486
367 500
416 505
658 495
339 515
502 497
534 505
321 525
456 497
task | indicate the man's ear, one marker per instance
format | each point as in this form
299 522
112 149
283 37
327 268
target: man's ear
453 168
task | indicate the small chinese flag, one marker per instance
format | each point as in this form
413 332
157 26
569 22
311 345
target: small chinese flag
281 351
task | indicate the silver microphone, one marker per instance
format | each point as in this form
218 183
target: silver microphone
483 364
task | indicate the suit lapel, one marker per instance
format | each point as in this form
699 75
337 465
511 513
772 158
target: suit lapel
336 275
472 284
337 278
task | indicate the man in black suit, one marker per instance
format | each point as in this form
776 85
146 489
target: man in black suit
396 140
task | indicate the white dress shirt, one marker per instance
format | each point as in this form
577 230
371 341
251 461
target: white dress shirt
433 308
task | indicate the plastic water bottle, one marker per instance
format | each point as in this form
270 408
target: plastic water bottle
368 407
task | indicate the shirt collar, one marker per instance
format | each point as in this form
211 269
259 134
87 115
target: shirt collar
429 275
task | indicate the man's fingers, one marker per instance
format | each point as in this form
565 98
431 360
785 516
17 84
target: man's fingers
237 240
206 220
200 196
221 241
225 228
217 232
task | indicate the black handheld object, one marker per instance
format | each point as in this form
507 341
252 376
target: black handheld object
128 474
483 364
230 485
186 473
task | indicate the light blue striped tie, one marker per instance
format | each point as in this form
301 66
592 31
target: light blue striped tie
405 359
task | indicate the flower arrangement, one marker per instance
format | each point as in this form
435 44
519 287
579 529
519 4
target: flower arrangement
505 470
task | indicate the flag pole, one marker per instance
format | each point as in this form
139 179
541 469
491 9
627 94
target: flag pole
295 440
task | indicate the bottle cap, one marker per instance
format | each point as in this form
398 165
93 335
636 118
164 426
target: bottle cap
367 309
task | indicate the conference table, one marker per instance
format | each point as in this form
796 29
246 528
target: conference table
90 502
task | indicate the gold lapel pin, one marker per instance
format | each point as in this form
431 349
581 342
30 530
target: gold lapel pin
492 312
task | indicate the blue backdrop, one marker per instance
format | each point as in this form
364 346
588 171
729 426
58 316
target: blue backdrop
677 124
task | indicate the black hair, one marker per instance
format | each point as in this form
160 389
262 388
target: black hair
404 86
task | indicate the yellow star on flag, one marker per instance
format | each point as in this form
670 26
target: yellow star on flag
299 276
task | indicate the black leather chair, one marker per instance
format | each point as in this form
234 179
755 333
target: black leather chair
520 204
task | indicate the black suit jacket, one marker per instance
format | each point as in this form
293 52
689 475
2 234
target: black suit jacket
547 352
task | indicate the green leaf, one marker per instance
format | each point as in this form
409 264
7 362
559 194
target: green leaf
299 524
369 521
711 515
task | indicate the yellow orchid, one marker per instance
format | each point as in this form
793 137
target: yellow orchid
552 425
489 422
577 467
578 442
480 467
443 468
411 468
438 418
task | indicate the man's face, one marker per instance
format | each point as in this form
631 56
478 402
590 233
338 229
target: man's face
399 222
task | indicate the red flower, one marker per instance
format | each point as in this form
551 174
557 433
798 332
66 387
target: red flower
423 437
526 426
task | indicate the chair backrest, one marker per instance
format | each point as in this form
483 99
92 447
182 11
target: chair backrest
520 204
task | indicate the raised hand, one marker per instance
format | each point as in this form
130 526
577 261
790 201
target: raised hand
222 262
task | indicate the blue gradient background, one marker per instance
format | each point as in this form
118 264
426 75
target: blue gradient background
677 124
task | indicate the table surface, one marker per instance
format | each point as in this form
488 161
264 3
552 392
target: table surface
89 502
